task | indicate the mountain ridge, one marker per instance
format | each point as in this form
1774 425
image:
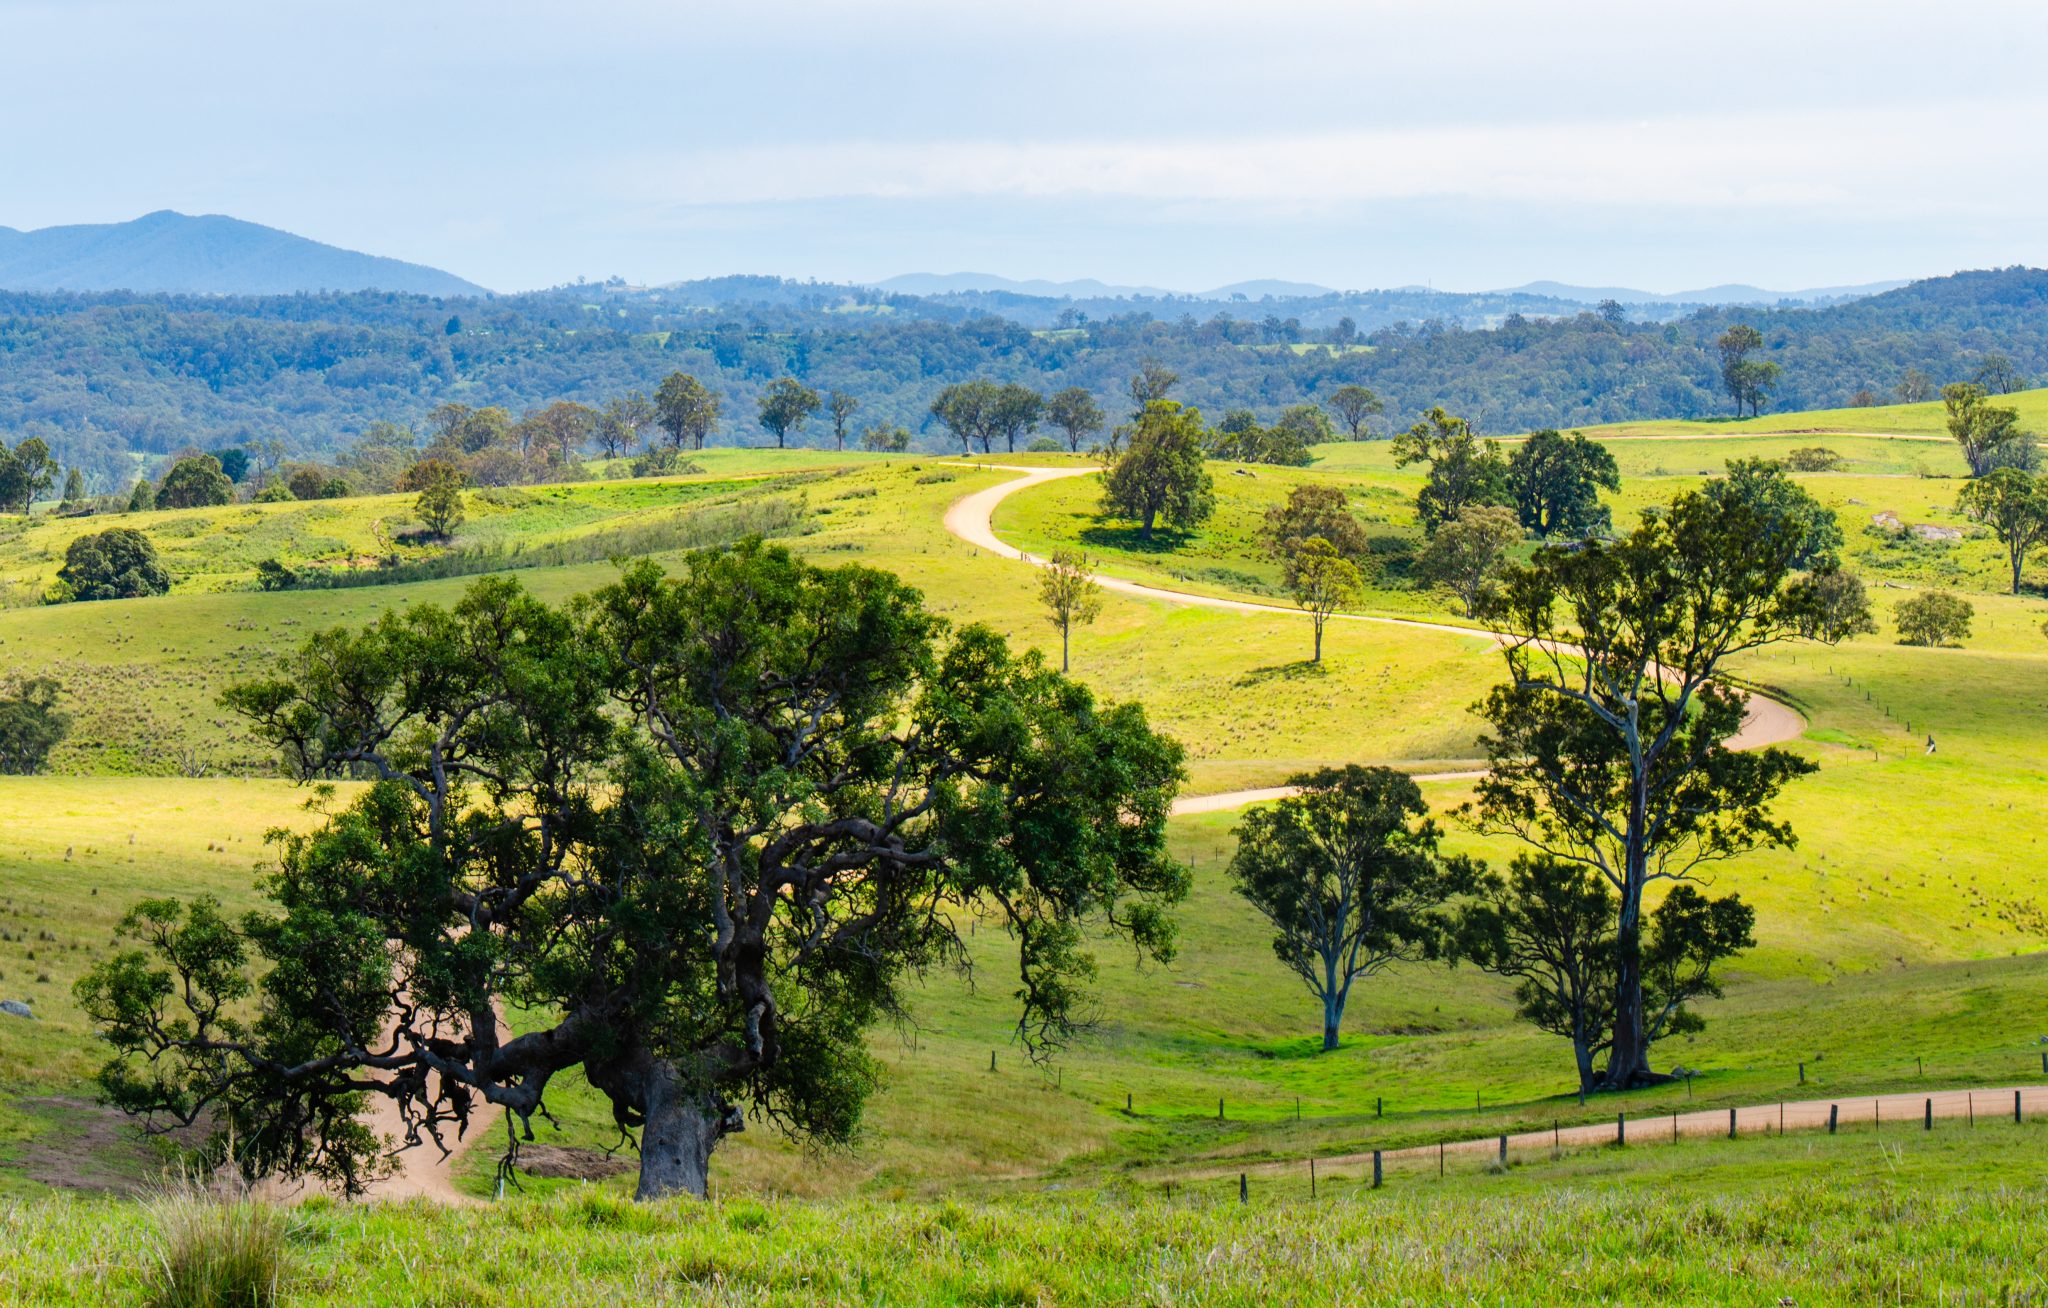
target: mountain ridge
205 254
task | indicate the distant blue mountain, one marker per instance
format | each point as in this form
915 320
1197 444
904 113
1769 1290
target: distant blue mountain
1729 294
208 255
1086 288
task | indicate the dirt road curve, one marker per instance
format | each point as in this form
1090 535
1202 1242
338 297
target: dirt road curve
1907 1111
1766 721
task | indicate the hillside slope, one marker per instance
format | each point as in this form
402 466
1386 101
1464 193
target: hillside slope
205 255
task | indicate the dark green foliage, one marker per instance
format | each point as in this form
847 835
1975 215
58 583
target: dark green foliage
1550 925
234 461
1988 434
273 575
703 828
1240 439
1314 509
1608 745
1077 415
31 724
1787 506
118 563
785 405
141 496
194 482
1348 873
1463 470
1556 482
2014 505
1159 475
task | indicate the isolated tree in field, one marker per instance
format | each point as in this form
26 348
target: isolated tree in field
1159 476
1321 580
74 490
1813 458
2014 504
195 481
141 496
1608 746
1462 469
439 485
839 406
1348 873
1077 415
1149 385
1550 926
1468 552
685 409
1985 432
701 831
968 410
1933 617
1013 413
118 563
1997 376
1355 407
31 724
1556 482
1313 509
784 405
621 421
1748 381
26 471
1067 588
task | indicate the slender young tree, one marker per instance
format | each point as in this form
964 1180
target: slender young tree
1067 588
621 421
1463 470
1348 873
968 410
1322 581
1468 552
1608 746
1985 432
840 407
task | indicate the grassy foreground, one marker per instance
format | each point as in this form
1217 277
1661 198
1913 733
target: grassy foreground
1949 1217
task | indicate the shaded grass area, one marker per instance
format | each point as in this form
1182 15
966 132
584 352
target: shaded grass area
1955 1216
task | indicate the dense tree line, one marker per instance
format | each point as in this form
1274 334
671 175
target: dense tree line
99 375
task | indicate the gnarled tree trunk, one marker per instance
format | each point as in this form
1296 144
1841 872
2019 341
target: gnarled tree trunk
681 1124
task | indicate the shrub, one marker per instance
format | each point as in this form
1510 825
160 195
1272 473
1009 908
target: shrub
1813 458
273 575
31 724
316 484
1934 617
214 1253
276 492
1046 445
118 563
664 461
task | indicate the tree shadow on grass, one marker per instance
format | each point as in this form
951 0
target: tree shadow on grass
1282 672
1165 540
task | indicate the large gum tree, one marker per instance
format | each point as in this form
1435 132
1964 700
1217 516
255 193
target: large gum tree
691 835
1609 742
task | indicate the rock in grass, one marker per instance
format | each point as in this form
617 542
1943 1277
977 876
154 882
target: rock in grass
15 1008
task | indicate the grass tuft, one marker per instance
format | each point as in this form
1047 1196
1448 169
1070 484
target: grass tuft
210 1251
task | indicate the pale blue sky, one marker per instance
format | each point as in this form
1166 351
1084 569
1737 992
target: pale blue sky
1180 143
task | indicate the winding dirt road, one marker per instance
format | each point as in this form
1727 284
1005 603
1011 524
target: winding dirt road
1765 721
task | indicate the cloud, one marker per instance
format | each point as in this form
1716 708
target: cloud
1815 160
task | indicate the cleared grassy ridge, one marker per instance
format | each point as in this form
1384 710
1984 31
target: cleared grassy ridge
1810 1219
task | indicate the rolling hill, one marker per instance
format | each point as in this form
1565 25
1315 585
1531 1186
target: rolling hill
204 255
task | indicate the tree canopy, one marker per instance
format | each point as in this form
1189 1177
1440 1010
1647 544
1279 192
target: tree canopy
1159 476
1463 470
118 563
1556 482
700 830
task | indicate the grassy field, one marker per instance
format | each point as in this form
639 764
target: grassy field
1899 944
1856 1218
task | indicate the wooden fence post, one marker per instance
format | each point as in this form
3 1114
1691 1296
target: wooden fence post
1375 1169
1311 1178
991 1060
1503 1150
1930 1115
1802 1074
1439 1160
2016 1107
1244 1189
1379 1105
1834 1111
1620 1129
1219 1108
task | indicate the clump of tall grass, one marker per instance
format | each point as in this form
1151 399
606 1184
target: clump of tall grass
214 1250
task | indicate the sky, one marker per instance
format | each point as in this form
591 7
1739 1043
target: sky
1178 143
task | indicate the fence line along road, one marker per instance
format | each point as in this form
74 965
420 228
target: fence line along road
1903 1109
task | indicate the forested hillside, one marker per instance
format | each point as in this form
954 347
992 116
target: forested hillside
100 375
